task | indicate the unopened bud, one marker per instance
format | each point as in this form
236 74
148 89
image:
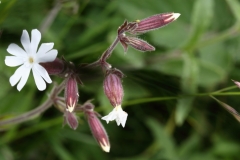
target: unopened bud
71 93
154 22
237 83
98 130
113 87
55 67
71 119
136 43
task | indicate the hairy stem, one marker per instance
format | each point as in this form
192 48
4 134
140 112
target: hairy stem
35 112
106 54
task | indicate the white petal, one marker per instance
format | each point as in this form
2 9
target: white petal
24 78
123 118
48 57
44 48
42 72
111 116
13 61
40 83
26 41
176 15
17 75
105 118
118 121
15 50
35 39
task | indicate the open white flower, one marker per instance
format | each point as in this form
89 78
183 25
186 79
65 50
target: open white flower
29 59
117 114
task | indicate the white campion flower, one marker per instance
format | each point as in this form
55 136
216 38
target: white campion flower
117 114
29 59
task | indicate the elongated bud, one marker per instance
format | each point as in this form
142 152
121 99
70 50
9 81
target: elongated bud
113 87
71 119
55 67
136 43
237 83
154 22
71 93
98 130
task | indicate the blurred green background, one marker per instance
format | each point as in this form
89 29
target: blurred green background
198 53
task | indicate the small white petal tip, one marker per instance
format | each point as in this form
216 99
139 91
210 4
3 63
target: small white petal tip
176 15
118 115
70 108
105 146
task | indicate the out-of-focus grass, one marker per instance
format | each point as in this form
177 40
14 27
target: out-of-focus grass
198 53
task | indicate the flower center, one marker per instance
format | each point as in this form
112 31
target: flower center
31 60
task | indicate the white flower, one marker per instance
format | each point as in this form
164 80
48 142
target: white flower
117 114
29 59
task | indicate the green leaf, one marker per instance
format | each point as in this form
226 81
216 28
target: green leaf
235 7
189 86
170 36
184 106
189 146
170 66
58 148
211 74
163 140
201 19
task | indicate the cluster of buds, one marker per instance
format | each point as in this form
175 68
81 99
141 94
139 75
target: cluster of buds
112 84
43 62
143 26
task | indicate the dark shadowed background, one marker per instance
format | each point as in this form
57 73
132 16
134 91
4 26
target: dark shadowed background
198 53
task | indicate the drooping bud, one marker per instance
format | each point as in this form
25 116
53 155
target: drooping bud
98 130
113 87
154 22
136 43
114 91
71 93
237 83
55 67
71 119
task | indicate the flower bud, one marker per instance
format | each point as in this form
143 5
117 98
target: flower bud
71 119
98 130
154 22
237 83
136 43
113 87
55 67
71 93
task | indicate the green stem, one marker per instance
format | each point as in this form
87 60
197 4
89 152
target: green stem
155 99
226 89
229 33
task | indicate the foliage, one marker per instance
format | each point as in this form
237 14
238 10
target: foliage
195 56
